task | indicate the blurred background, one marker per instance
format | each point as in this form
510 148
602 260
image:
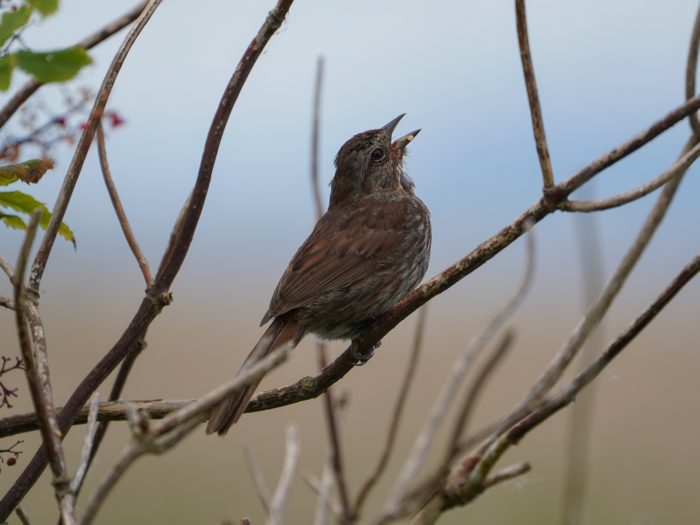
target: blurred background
605 71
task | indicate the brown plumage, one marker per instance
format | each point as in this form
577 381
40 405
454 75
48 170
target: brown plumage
367 252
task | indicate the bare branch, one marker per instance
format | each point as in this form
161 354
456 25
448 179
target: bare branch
6 267
86 453
22 516
81 149
324 495
532 96
26 91
398 411
322 489
39 385
289 469
507 473
119 209
6 302
681 165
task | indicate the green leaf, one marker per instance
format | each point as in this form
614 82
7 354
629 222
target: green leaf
27 171
7 64
24 203
53 66
45 7
13 221
11 21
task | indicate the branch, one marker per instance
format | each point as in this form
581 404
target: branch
258 478
119 209
532 96
39 385
681 165
26 91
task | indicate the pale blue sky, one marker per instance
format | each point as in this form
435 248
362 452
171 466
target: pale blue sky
605 71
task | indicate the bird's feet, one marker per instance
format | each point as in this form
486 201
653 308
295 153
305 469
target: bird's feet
361 357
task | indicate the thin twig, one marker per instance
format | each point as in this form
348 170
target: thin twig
681 165
88 442
316 485
22 516
289 469
315 126
460 368
119 209
691 71
258 478
323 500
6 302
532 96
83 145
26 91
397 413
6 267
507 473
39 385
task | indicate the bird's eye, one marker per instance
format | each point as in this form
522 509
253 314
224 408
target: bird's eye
377 154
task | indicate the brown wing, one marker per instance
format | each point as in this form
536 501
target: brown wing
344 248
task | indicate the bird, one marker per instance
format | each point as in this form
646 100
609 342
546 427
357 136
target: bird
369 250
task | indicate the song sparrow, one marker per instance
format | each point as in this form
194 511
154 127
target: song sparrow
367 252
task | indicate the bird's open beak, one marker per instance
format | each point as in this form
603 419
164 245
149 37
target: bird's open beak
402 142
391 126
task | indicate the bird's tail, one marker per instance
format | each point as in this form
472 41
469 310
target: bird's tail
279 333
